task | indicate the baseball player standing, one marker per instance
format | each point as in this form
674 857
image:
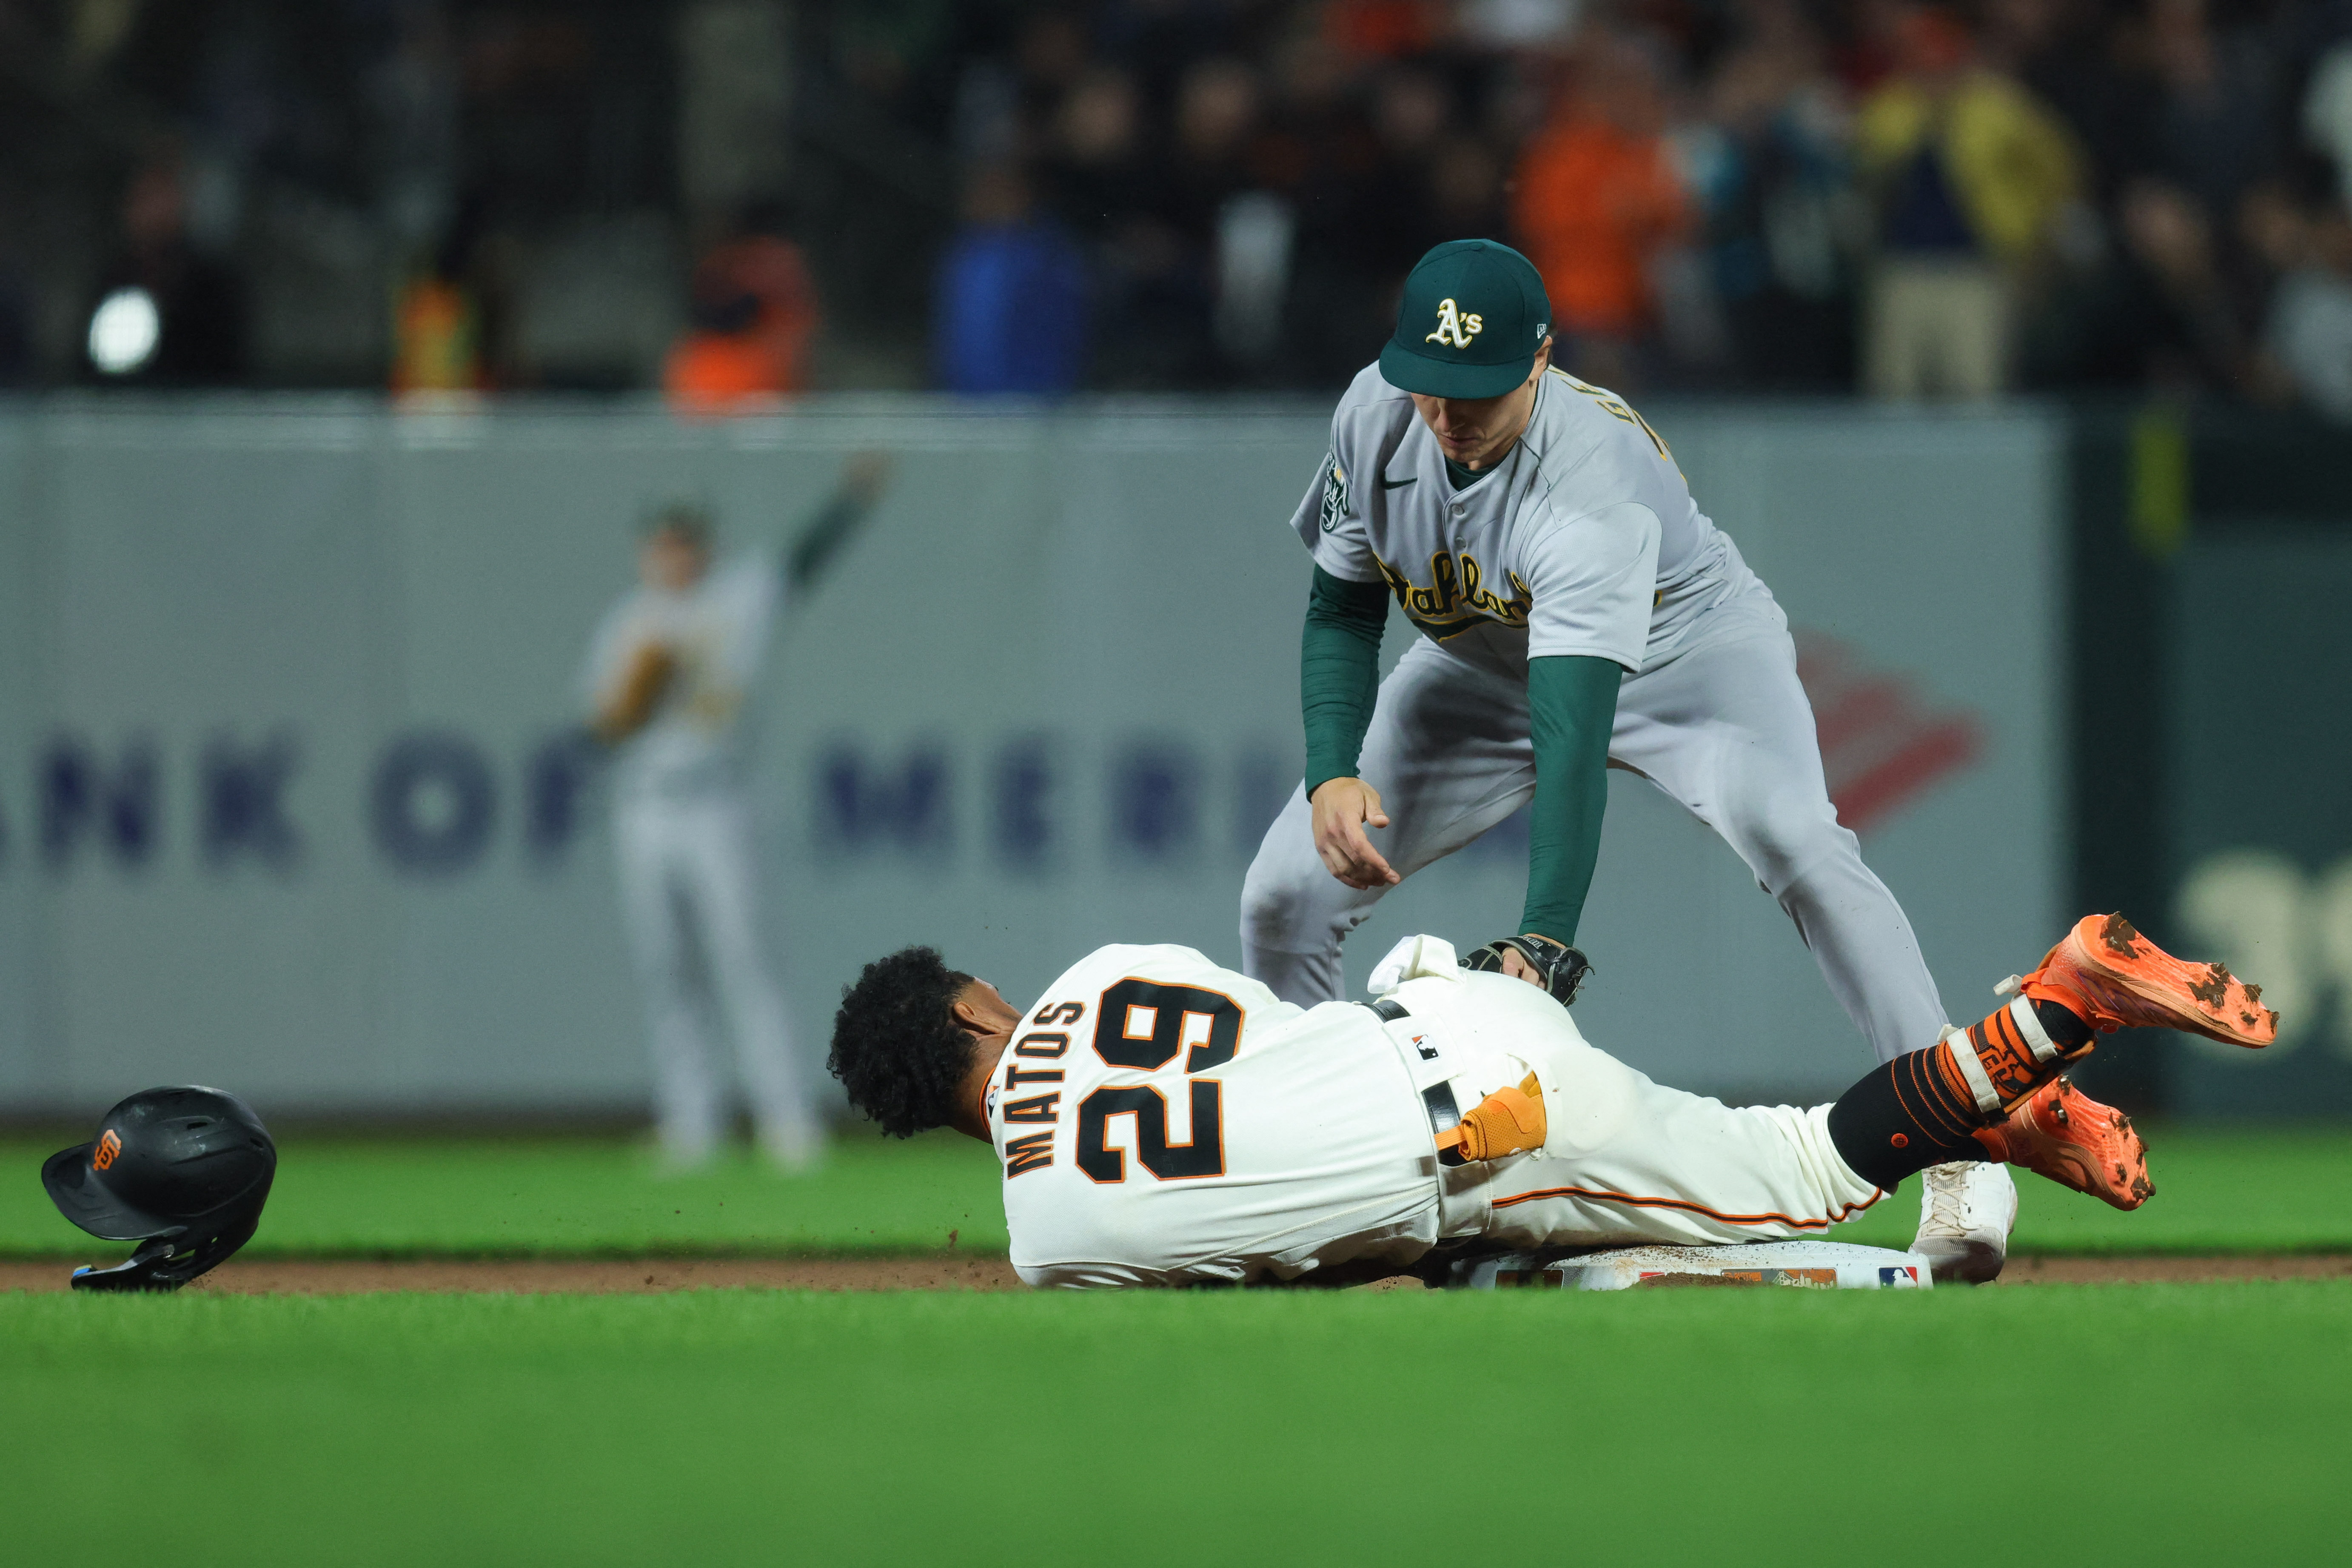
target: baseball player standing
1577 611
667 678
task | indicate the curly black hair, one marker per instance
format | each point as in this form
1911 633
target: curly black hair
896 1046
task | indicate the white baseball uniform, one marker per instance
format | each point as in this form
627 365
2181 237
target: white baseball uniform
1163 1121
690 879
1582 539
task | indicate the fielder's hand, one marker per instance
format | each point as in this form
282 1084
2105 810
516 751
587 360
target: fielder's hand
1550 966
1343 807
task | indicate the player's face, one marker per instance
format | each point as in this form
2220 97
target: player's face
671 560
1475 431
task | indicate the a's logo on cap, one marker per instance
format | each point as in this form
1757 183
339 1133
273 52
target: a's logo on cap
110 1144
1454 327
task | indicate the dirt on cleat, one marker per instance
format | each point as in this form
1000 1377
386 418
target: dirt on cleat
2118 934
2064 1134
2108 971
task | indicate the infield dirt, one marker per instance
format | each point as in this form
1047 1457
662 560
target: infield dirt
355 1277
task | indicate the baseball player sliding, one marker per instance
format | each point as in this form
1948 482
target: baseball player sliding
1164 1121
667 678
1578 612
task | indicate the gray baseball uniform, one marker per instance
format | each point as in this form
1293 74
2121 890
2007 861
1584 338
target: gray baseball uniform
1584 540
690 879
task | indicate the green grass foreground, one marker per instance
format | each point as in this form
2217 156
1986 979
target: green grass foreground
2146 1425
2218 1190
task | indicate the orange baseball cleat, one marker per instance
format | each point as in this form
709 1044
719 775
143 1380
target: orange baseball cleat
2075 1140
2116 977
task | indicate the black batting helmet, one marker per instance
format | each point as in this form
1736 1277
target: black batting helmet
183 1170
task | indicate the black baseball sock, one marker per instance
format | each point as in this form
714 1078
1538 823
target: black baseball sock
2064 1026
1917 1111
1905 1116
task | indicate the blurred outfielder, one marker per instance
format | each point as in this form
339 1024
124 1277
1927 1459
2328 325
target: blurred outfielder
670 672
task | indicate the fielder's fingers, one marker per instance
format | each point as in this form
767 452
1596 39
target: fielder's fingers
1333 851
1343 853
1369 863
1518 968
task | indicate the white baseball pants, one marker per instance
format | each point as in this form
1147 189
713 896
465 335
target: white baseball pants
689 897
1625 1160
1723 728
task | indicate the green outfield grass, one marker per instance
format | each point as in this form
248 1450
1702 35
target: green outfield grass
580 1196
2287 1189
2144 1425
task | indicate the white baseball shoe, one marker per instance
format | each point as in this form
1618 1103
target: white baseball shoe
1966 1212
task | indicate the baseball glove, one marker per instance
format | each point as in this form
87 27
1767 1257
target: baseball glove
1560 968
642 689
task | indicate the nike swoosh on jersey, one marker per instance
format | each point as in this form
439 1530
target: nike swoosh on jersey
1388 484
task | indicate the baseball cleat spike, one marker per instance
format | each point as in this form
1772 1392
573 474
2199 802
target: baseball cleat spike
2107 970
2064 1134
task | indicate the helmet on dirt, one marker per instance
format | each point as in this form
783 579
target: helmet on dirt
183 1170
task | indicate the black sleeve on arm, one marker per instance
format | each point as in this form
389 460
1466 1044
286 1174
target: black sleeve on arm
823 535
1572 703
1339 672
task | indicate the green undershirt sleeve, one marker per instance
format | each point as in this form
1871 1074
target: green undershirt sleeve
1572 703
821 537
1339 672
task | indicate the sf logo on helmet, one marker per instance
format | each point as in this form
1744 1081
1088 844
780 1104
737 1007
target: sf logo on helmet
108 1146
1454 327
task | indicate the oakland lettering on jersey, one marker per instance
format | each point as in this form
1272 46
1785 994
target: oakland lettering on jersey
1457 596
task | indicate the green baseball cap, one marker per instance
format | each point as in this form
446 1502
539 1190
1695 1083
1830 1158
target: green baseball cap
1474 314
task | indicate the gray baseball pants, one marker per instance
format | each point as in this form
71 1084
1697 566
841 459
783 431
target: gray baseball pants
689 899
1723 728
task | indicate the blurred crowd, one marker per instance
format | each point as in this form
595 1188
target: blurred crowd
1915 200
743 198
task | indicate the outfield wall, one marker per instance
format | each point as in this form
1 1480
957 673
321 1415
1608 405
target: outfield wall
2211 559
278 808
